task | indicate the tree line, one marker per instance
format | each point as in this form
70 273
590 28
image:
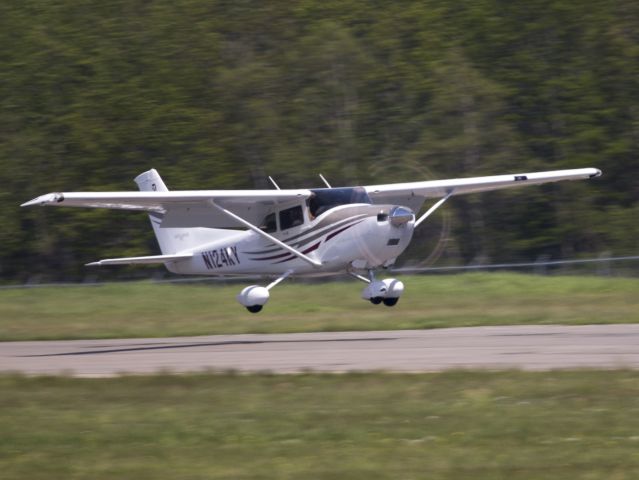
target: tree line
221 94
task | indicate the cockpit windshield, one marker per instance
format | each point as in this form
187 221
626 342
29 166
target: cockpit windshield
326 198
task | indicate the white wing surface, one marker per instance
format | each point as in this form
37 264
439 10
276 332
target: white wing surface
182 208
413 194
195 208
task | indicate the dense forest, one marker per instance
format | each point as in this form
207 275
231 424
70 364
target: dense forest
221 94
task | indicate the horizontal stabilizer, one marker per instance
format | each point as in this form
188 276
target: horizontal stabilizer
141 260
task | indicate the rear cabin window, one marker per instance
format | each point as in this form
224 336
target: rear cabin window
291 217
269 225
324 199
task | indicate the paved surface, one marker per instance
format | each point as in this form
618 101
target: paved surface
522 347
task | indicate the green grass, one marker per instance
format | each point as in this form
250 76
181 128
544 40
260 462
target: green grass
453 425
145 309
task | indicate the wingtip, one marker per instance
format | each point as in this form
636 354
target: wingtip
93 264
35 201
45 199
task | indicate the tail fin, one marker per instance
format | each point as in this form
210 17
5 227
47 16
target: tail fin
177 240
168 238
150 182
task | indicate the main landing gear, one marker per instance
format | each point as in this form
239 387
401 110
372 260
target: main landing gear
255 297
385 291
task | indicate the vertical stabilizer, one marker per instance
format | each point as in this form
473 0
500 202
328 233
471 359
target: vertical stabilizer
176 240
152 182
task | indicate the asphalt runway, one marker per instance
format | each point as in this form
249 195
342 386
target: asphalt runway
495 348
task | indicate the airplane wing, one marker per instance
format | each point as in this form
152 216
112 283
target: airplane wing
182 208
195 208
413 194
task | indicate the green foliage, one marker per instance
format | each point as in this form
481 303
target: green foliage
221 94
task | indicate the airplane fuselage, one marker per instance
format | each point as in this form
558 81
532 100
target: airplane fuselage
360 236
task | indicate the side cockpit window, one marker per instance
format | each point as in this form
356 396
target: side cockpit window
269 225
291 217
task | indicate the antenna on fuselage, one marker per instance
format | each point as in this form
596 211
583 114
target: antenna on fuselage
324 180
273 182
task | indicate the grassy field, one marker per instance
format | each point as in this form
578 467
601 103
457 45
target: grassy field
145 309
454 425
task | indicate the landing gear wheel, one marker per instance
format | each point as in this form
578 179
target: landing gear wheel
376 300
254 308
391 302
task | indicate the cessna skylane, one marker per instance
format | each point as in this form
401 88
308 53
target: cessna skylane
281 233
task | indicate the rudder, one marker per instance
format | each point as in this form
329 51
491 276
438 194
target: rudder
177 240
151 181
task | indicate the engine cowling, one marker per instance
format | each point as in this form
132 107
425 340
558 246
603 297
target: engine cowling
253 298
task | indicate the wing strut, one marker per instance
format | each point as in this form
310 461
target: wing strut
257 230
433 208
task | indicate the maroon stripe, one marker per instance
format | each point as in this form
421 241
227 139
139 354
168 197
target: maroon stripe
313 248
273 257
308 250
340 231
286 259
311 235
286 256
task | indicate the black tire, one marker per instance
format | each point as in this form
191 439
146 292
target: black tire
254 308
391 302
376 300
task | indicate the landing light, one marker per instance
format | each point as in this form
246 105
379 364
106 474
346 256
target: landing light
400 215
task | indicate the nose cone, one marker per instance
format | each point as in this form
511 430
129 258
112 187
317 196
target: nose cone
399 216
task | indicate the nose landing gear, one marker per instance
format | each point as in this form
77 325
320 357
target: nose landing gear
391 302
385 291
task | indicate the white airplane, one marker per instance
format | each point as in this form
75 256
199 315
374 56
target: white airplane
279 233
